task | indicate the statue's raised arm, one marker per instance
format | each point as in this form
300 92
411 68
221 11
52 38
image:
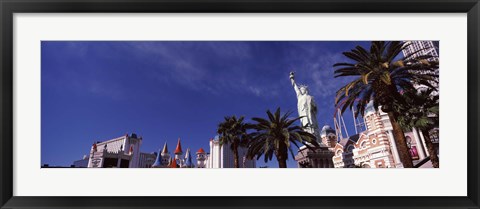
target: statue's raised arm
307 109
292 79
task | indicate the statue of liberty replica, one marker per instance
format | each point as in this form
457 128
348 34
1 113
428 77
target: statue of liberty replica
307 109
320 157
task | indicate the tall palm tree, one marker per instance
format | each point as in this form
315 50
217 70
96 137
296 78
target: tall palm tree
233 131
275 136
422 112
380 76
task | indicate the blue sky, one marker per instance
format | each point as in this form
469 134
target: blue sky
162 91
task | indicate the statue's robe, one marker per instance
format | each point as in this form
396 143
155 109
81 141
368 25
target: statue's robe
308 109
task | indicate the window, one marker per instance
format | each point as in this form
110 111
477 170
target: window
409 141
339 152
363 145
434 135
350 148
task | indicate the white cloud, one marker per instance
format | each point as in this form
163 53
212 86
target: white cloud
255 90
192 71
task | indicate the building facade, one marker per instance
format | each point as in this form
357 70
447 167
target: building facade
112 154
369 149
147 160
164 160
124 152
420 48
417 49
375 147
320 157
121 152
221 156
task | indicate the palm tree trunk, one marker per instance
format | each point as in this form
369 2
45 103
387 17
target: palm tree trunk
401 142
235 156
282 163
431 149
281 155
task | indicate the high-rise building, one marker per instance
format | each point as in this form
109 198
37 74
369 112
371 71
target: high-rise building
417 49
422 48
221 156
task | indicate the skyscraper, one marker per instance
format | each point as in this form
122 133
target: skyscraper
221 156
416 49
421 48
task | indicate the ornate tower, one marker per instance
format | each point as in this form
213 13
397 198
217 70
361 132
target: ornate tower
201 157
179 153
158 161
380 142
92 161
373 119
173 164
165 155
328 136
133 142
188 160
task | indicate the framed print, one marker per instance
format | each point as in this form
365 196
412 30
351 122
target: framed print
256 104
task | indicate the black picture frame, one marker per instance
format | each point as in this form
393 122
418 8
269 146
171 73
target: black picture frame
10 7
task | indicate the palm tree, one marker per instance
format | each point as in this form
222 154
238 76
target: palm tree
275 135
233 131
421 113
380 76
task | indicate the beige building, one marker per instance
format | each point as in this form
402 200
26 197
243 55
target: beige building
375 147
121 152
221 156
319 157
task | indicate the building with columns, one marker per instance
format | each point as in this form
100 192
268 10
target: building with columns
320 157
121 152
415 141
369 149
375 147
221 156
